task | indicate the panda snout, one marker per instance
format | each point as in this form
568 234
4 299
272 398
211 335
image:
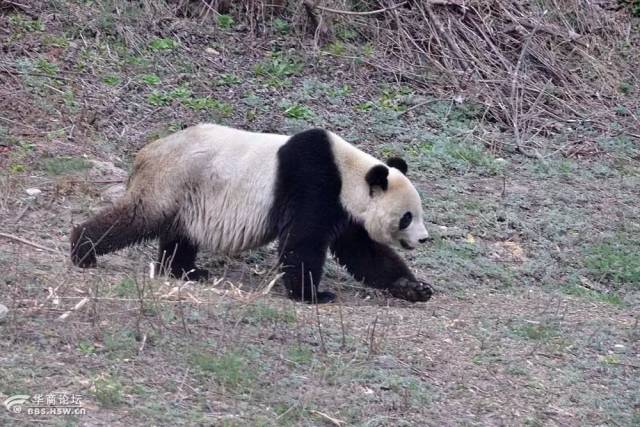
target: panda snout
424 239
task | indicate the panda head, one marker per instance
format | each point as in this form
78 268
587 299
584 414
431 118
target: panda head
394 212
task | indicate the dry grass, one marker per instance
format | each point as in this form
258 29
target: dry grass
535 319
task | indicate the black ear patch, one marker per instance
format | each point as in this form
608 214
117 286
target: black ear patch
377 176
398 163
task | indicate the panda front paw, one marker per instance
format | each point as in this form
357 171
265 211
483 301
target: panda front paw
83 255
411 290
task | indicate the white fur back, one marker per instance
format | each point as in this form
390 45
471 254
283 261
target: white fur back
225 178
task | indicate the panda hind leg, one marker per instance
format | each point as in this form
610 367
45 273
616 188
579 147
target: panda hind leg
177 257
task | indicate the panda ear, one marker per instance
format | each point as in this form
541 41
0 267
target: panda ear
377 177
398 163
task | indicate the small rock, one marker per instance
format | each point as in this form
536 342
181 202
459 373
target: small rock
33 191
3 313
106 170
113 192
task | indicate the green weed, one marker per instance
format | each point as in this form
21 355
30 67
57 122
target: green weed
535 331
160 44
225 21
260 313
336 48
228 80
111 80
23 24
86 347
281 26
230 370
277 68
46 67
108 391
581 291
300 355
208 103
63 165
150 79
616 262
126 288
297 111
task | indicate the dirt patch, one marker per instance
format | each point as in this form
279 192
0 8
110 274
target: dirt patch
534 260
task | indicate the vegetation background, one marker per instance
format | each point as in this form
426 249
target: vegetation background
520 124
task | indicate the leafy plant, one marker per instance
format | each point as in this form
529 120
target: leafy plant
108 391
278 68
616 261
230 370
111 80
47 67
159 44
62 165
297 111
150 79
225 21
336 48
281 26
20 23
228 79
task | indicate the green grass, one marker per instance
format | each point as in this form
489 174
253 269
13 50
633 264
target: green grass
260 313
616 262
231 370
120 345
126 288
297 111
337 48
225 22
535 331
278 68
228 79
108 391
208 103
580 291
162 44
300 355
86 347
64 165
281 26
24 24
111 80
46 67
150 79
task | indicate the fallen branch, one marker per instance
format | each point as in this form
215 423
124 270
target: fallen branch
27 242
77 307
352 13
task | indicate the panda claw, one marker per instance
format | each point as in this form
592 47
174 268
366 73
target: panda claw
411 290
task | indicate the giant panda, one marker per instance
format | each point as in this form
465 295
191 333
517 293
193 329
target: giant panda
228 190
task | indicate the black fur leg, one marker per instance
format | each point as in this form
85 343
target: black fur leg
177 256
111 229
377 265
306 211
302 266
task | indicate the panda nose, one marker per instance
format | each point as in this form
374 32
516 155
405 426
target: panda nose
426 239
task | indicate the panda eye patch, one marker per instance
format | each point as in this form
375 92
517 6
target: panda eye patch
405 220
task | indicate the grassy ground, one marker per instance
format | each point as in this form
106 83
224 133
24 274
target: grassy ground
535 262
